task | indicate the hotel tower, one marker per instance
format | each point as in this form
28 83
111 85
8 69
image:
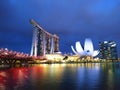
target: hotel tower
43 42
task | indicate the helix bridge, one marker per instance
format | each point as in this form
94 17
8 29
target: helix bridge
13 57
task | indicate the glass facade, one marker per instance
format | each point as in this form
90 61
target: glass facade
108 50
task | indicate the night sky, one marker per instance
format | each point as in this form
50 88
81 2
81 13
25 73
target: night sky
71 20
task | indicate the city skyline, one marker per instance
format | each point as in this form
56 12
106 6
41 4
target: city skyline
71 20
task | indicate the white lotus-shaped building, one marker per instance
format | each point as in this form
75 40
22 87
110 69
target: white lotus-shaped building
88 49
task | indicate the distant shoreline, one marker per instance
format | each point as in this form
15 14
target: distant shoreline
56 61
17 65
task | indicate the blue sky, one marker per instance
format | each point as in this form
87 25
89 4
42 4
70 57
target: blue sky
71 20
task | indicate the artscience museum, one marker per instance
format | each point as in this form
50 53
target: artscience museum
87 50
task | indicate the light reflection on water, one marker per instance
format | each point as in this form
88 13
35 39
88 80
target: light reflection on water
89 76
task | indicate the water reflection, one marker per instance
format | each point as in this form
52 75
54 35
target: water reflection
89 76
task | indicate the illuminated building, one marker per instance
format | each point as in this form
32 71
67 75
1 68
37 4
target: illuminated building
88 49
43 41
108 50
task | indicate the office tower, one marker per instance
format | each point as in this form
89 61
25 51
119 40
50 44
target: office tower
108 50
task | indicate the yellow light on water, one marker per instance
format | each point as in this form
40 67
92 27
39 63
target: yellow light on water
56 57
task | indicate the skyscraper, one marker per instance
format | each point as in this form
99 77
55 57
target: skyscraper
108 50
43 42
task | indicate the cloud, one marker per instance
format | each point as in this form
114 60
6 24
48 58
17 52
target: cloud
72 20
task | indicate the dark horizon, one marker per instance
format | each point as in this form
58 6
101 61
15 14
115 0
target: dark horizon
71 20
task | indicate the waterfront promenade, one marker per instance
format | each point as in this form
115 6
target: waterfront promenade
10 57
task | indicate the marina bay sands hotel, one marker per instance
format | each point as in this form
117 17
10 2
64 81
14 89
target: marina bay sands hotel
43 42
